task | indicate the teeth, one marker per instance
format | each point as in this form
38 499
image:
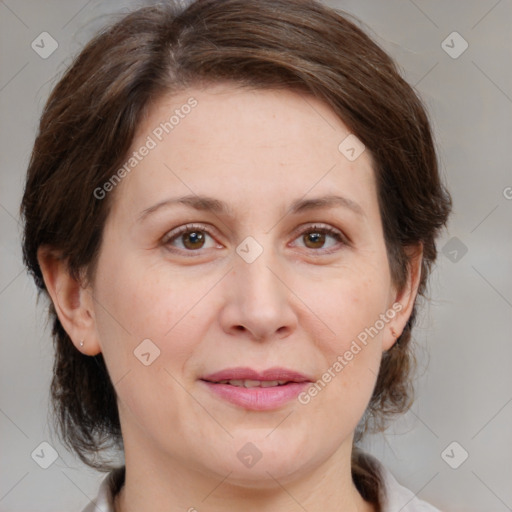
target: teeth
237 383
269 383
248 383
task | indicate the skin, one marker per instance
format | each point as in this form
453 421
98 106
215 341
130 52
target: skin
299 305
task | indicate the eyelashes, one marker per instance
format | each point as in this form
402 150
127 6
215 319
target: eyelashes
194 233
194 239
323 231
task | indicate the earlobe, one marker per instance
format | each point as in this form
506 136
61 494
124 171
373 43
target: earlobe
72 301
404 299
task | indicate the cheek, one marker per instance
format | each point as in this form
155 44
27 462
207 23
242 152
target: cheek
136 303
351 309
349 305
144 324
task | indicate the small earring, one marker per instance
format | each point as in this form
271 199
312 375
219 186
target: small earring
393 333
82 343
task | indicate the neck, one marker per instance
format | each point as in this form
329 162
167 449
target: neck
157 483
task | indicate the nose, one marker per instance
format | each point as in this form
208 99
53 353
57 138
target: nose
258 302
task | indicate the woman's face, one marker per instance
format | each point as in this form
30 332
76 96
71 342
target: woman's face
253 284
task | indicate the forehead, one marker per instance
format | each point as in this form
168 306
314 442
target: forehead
241 119
239 144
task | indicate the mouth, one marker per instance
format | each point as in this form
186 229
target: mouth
249 383
258 391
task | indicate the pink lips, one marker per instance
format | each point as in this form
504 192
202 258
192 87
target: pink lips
257 398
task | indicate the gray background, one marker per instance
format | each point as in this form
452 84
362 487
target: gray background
464 384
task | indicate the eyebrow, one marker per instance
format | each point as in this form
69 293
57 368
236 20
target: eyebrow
210 204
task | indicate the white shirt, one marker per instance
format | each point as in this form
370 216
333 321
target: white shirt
396 498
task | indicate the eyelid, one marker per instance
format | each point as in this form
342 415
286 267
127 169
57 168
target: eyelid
321 226
335 233
175 233
300 230
189 226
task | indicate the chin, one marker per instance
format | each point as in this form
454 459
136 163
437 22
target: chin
266 475
257 459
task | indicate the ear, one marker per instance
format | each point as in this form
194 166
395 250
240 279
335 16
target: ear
72 301
402 301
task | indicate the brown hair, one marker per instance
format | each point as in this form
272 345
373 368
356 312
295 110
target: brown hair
92 115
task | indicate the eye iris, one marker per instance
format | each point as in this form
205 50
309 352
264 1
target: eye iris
317 238
196 239
193 240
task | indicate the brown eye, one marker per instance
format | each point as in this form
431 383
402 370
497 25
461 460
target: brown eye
189 238
193 239
316 238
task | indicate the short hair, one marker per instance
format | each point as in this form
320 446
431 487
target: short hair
94 111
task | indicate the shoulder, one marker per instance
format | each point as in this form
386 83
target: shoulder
394 497
104 501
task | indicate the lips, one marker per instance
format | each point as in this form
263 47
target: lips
249 383
258 391
272 374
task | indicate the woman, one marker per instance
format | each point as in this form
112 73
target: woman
233 207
